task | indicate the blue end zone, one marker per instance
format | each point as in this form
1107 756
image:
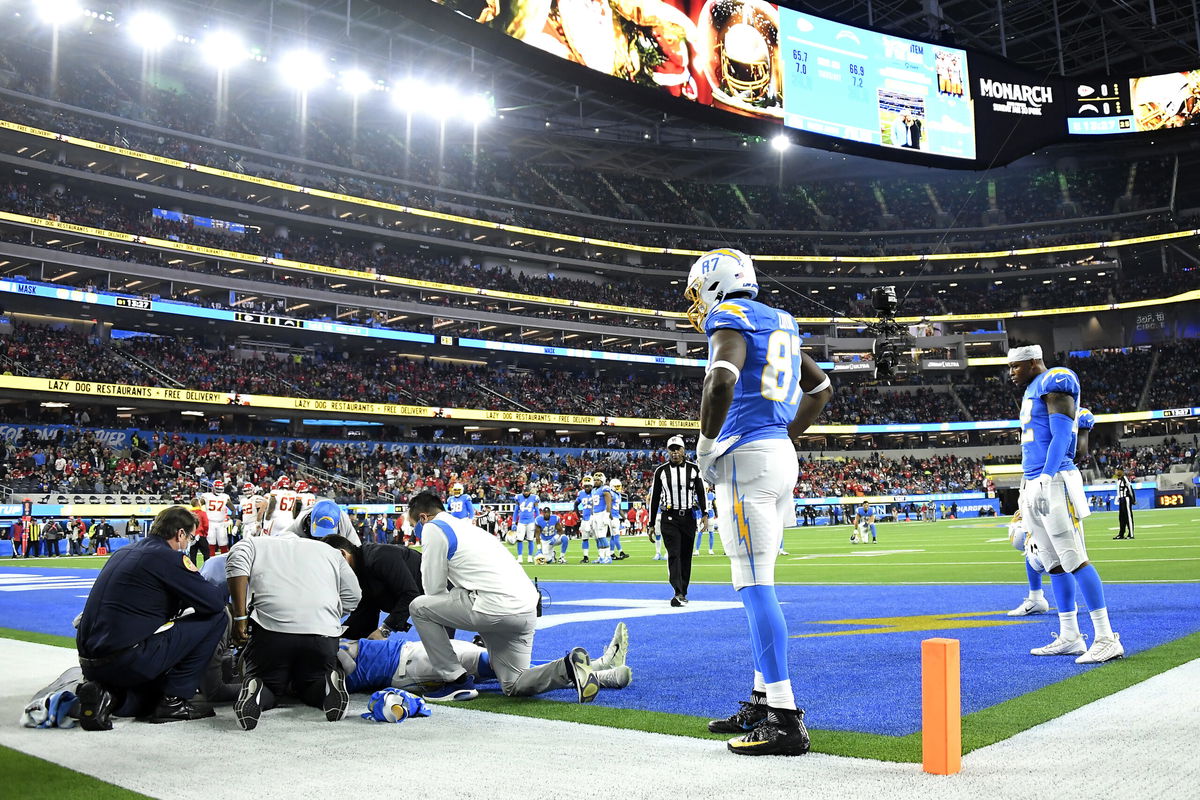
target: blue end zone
696 661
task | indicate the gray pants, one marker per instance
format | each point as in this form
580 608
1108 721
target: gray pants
508 639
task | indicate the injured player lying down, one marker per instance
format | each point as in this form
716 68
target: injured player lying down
372 664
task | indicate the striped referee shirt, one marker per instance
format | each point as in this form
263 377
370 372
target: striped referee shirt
677 487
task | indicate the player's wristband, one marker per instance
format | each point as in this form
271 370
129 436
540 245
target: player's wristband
704 444
385 630
239 619
820 387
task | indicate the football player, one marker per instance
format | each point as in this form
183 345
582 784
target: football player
526 509
550 534
217 505
864 522
617 487
251 505
372 664
602 515
460 504
280 510
711 497
760 392
1053 503
306 496
583 505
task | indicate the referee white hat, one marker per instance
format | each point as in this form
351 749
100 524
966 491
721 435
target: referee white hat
675 441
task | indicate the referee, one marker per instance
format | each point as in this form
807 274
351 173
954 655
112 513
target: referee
1125 500
678 493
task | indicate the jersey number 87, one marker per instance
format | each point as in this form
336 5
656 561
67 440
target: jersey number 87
781 372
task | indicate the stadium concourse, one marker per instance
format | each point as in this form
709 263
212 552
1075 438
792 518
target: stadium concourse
388 250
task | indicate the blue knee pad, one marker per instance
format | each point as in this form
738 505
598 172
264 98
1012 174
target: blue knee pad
602 541
768 632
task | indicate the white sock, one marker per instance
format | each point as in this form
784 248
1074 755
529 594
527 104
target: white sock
779 695
760 685
1100 622
1068 625
604 551
1036 594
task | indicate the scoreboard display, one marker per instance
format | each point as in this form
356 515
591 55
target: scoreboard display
838 86
1170 499
875 88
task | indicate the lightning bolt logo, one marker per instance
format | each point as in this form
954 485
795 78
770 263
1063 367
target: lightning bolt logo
739 518
733 308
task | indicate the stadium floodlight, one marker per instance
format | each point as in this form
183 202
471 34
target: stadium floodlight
413 96
355 82
223 50
780 142
57 12
303 70
476 108
150 31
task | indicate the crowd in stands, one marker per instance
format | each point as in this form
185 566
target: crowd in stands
1145 461
325 249
880 475
458 174
1112 382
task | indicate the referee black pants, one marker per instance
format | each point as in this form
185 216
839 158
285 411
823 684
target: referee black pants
679 534
1125 515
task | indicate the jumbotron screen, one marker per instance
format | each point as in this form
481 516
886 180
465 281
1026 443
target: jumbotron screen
759 60
1134 105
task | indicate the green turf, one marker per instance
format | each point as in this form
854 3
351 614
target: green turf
32 778
62 562
947 551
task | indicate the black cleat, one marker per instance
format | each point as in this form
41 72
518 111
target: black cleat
336 696
749 716
782 733
177 709
95 707
677 601
248 707
583 560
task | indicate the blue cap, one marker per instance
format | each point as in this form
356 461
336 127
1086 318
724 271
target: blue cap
326 516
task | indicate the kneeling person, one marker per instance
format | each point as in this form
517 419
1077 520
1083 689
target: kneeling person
492 596
300 589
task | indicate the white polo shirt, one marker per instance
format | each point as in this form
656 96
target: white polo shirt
458 551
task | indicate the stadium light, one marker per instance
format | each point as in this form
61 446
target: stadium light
303 70
57 12
780 142
150 31
355 82
223 50
476 108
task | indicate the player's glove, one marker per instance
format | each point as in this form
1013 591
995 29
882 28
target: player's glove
1037 494
708 451
394 705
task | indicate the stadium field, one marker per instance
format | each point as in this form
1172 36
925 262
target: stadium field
856 614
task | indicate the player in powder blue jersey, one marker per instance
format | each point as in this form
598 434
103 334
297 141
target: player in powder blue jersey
761 391
602 518
549 529
526 509
1035 602
583 506
616 487
1053 504
711 523
460 504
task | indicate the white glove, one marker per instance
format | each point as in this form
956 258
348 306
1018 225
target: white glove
708 451
1037 494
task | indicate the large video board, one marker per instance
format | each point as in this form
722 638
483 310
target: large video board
759 60
1135 105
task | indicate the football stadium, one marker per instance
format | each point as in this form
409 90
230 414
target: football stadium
689 395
